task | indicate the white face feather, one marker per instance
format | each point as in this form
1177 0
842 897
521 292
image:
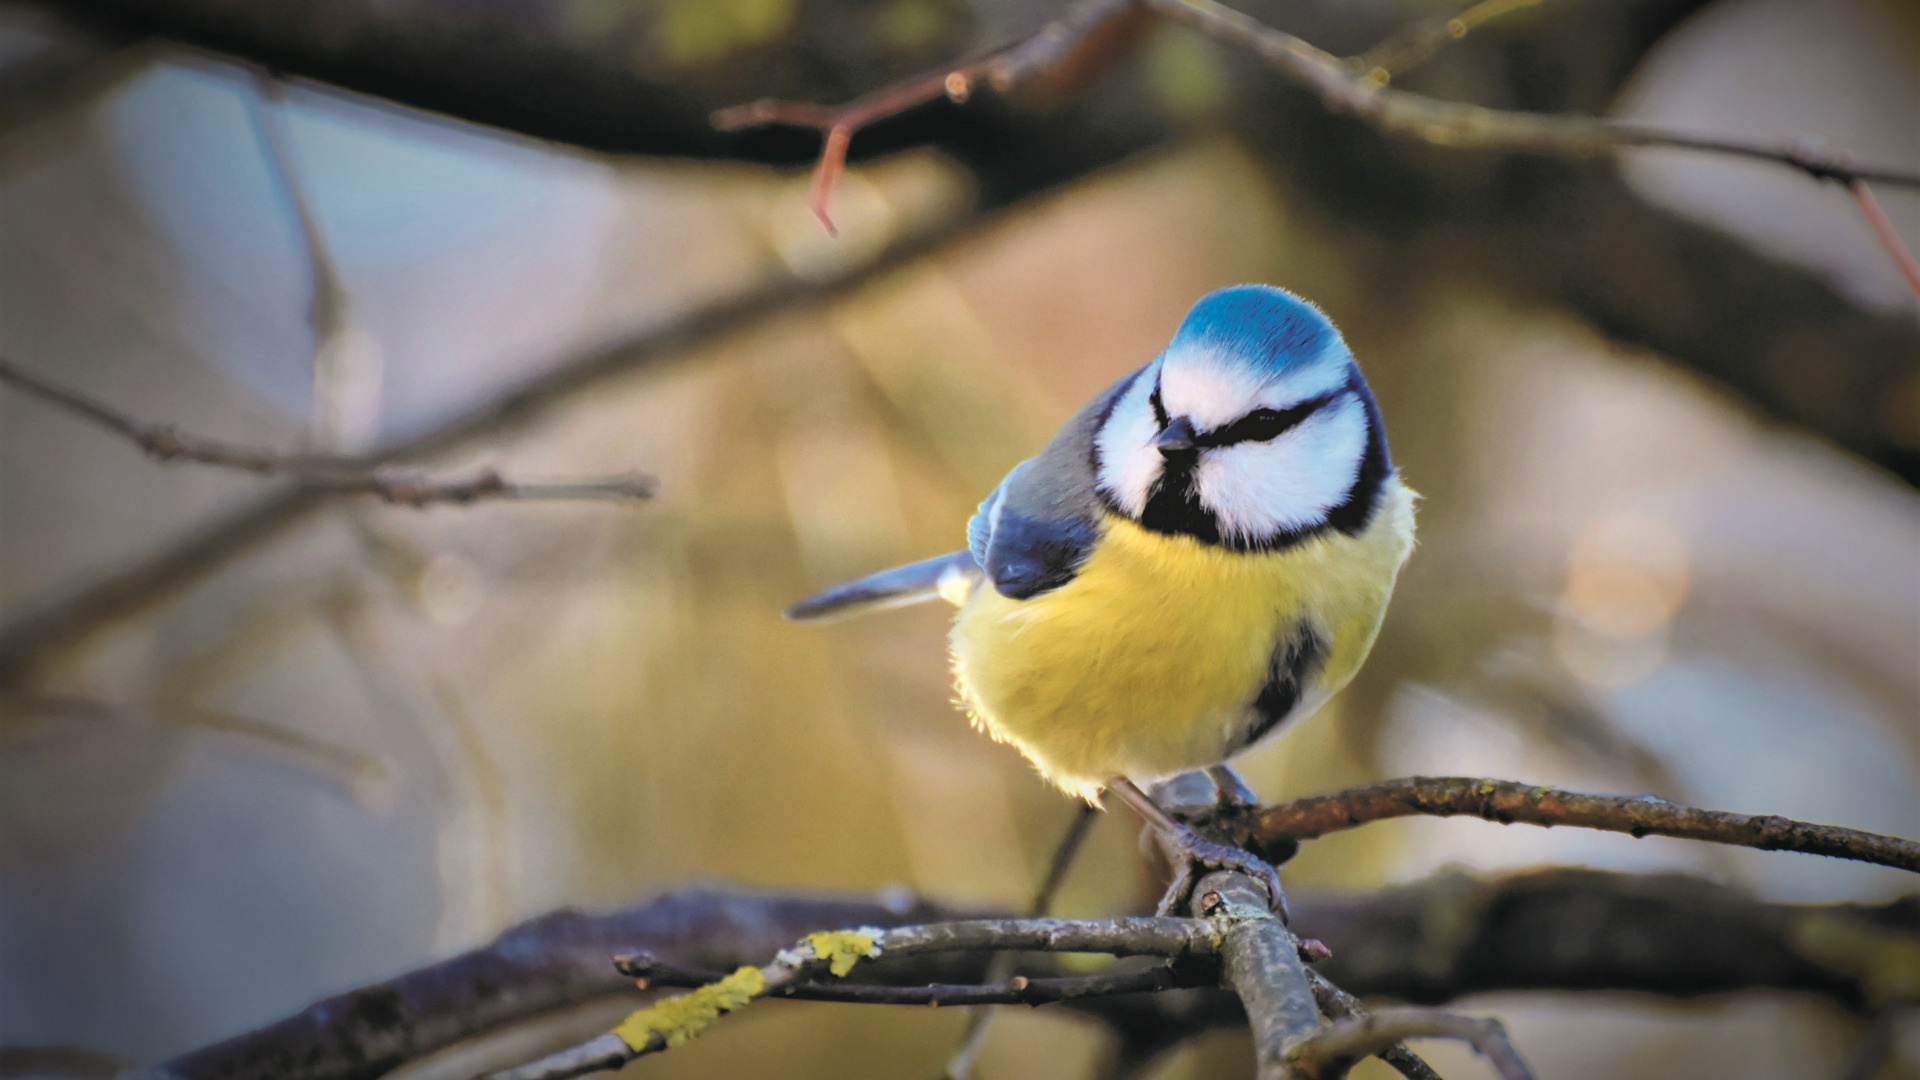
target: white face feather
1254 490
1129 465
1261 489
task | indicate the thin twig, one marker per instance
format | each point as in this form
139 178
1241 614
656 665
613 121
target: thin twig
1340 1005
1506 802
1000 69
1330 1051
1884 232
1417 42
163 442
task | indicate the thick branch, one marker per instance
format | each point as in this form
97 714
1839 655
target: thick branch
1507 802
1261 964
346 475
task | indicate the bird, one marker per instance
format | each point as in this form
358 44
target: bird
1203 554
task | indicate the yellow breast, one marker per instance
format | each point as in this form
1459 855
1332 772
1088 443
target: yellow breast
1146 663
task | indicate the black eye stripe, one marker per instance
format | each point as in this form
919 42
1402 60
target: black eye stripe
1261 425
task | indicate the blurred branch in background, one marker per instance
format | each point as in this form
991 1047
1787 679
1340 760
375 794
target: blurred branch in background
344 475
1428 941
1398 112
31 635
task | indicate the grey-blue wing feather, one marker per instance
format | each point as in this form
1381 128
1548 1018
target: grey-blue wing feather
1028 537
902 585
1041 523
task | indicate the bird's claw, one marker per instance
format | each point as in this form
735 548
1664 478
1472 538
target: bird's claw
1190 853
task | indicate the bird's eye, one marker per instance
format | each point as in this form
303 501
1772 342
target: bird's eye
1261 425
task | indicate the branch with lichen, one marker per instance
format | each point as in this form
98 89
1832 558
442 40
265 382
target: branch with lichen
163 442
674 1020
1508 802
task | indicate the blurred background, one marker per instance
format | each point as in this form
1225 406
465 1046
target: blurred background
258 746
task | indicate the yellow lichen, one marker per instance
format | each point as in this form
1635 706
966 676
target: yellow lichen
841 949
679 1018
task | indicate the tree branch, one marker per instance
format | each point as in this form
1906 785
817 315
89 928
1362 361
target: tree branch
1427 942
1507 802
670 1023
1018 990
1261 964
345 475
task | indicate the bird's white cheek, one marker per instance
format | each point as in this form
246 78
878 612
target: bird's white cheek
1257 490
1129 466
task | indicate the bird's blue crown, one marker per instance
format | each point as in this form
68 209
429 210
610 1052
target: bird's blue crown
1259 327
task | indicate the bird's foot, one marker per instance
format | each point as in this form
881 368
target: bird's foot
1193 854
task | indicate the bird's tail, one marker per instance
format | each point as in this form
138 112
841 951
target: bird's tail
951 576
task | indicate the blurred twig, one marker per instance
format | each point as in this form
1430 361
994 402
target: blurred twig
1000 69
66 618
1339 88
49 1061
1506 802
1417 42
347 475
1884 232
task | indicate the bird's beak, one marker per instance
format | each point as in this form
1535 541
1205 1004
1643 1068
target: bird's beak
1178 436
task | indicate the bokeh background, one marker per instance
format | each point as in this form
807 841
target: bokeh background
363 736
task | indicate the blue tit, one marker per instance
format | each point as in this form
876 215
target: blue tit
1201 555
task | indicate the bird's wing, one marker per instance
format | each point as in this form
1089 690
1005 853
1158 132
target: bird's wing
1028 537
902 585
1039 525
